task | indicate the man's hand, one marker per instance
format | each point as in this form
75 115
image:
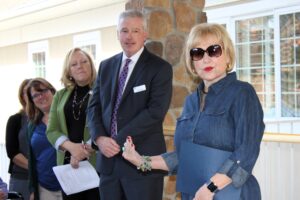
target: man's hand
108 146
2 195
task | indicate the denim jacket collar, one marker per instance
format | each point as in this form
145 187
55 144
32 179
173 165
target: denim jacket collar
218 86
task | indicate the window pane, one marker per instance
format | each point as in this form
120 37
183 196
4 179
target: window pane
257 79
290 59
268 25
298 106
255 58
256 54
243 55
268 53
288 105
290 84
269 80
242 31
298 79
297 24
39 60
256 29
91 49
243 75
287 52
287 79
286 26
268 92
269 105
297 51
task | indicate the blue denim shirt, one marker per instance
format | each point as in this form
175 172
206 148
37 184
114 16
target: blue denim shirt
232 120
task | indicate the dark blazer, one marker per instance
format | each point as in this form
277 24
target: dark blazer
140 114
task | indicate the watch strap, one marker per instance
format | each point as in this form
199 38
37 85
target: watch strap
212 187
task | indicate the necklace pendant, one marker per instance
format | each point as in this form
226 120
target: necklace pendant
78 103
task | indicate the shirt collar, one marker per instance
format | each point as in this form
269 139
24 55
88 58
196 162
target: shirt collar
218 86
133 58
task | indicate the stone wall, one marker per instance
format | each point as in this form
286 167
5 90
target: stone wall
169 22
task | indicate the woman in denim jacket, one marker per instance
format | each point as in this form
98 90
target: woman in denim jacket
223 113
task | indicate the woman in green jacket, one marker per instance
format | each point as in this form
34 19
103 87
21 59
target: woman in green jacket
67 130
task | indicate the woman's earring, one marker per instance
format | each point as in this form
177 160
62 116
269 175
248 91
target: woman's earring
227 68
70 78
194 71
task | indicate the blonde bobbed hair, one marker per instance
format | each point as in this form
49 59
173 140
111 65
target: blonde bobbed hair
199 33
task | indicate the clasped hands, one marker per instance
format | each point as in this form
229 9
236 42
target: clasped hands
109 148
79 152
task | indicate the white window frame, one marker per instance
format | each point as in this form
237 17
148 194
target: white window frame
277 14
37 47
259 11
89 38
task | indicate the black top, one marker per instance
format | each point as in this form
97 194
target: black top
17 142
75 113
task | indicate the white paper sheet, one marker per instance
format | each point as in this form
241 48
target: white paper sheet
76 180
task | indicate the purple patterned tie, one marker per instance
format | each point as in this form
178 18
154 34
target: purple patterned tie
121 83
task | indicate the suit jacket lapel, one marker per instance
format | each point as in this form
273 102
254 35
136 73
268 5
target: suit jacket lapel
140 65
115 76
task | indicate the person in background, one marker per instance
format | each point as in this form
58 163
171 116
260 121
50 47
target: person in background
131 97
223 113
42 156
17 146
67 130
3 190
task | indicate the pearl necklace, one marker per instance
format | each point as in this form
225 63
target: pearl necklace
78 103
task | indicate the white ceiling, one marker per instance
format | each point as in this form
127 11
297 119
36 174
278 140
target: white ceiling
16 13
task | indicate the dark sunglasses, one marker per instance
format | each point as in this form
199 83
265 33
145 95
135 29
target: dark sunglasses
212 51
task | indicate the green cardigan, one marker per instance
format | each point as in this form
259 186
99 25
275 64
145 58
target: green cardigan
57 126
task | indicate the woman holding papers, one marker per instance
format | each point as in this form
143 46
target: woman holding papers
42 156
221 121
67 130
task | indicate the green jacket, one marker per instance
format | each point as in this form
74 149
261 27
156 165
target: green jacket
57 125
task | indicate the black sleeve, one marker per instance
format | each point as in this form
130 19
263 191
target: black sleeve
12 131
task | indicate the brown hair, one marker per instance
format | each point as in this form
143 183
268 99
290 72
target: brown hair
21 96
66 79
35 115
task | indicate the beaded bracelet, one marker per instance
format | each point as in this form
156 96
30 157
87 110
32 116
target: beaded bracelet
146 164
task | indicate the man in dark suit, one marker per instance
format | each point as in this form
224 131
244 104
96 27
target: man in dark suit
139 113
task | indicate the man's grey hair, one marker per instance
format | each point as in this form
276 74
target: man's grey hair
133 14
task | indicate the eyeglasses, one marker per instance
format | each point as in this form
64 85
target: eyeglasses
40 93
212 51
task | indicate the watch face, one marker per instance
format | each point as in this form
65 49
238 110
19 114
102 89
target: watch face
212 187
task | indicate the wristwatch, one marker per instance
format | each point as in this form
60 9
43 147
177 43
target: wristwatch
212 187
